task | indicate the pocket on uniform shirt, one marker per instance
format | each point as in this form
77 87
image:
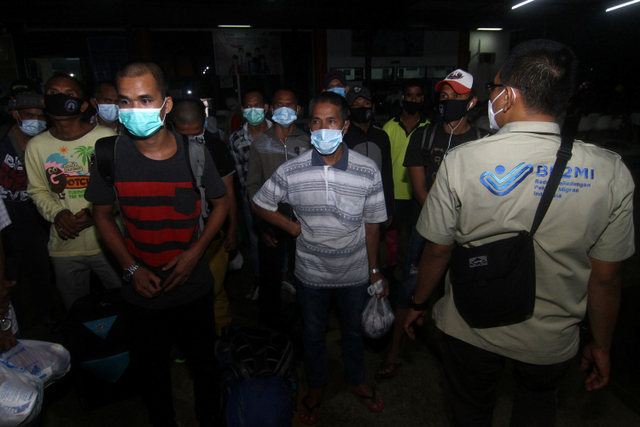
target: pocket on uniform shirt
185 200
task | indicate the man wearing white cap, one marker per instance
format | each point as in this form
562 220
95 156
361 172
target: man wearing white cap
427 147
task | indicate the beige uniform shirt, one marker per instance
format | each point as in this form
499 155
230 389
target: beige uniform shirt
489 189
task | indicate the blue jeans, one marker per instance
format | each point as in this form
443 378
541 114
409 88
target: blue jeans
410 271
314 303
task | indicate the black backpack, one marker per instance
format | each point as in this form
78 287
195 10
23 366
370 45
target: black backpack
104 156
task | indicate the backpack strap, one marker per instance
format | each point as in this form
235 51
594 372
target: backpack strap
104 155
194 152
14 142
433 136
424 135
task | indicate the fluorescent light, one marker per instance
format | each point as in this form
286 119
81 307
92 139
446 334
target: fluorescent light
493 29
234 26
622 5
521 4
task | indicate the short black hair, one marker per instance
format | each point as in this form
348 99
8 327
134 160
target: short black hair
253 90
547 70
141 67
284 89
331 98
98 86
411 83
187 111
67 77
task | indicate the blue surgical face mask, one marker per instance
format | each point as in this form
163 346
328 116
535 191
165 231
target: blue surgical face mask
142 122
200 138
326 141
254 116
284 116
32 127
108 112
339 90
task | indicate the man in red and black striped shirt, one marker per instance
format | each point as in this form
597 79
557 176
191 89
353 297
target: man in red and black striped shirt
169 291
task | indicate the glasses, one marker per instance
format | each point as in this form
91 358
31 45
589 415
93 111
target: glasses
492 86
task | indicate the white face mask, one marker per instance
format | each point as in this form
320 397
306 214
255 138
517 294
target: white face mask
108 112
32 127
492 115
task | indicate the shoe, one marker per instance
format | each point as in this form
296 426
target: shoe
253 293
236 263
286 286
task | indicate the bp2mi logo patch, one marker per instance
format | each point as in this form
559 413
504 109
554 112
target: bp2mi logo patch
504 185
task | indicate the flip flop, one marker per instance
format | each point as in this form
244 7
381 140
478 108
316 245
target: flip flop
311 420
392 373
373 399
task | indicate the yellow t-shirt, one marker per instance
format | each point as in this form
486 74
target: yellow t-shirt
399 140
58 174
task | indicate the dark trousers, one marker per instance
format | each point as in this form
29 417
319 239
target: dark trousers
27 261
314 303
472 375
271 265
151 334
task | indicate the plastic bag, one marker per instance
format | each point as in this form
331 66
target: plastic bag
20 396
377 317
44 360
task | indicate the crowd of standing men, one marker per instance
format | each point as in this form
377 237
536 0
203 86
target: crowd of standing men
316 204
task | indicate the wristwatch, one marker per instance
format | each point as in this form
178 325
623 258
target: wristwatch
374 271
5 324
128 273
417 307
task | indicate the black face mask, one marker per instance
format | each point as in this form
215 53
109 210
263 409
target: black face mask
411 107
453 109
361 114
60 104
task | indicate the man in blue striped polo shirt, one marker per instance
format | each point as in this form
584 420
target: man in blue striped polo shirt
338 198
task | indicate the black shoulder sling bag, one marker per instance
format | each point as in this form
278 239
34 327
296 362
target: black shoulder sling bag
495 284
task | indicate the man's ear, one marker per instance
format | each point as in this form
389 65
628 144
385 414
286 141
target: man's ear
473 103
297 110
266 108
15 115
84 106
346 127
168 105
347 89
509 99
94 102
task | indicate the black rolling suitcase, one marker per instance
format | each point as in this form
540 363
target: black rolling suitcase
96 336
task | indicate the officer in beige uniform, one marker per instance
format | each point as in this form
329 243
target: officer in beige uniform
488 190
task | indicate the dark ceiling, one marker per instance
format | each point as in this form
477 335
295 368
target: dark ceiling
303 14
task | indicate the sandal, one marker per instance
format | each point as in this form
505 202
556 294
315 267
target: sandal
311 419
373 399
391 368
